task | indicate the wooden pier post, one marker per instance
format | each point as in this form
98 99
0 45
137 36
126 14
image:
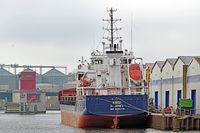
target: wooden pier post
192 123
167 123
197 124
187 124
176 124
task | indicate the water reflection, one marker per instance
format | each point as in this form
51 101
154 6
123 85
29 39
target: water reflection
50 123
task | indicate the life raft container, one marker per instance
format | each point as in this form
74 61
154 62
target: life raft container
85 82
135 72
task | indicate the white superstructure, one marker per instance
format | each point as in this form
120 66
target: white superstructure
112 70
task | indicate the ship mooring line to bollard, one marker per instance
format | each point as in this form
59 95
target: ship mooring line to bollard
105 100
134 107
129 105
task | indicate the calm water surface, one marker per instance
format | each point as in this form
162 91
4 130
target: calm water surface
50 123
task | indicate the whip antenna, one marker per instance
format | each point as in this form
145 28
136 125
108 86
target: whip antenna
131 31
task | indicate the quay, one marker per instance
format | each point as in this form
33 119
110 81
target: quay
173 86
173 122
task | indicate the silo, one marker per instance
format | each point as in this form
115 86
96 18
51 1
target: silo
55 77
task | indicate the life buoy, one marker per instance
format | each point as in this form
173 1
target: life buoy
135 72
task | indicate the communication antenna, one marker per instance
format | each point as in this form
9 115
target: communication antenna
93 41
131 31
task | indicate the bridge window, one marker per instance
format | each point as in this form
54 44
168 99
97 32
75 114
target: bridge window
98 62
124 61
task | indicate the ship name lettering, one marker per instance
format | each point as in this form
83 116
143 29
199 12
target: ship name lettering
116 102
118 105
119 109
111 108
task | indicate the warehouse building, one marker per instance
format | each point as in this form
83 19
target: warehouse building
175 79
55 77
167 83
8 79
193 83
8 82
156 83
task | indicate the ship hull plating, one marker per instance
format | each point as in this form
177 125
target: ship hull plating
106 111
84 121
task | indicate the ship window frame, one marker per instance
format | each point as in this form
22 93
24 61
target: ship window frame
79 76
125 61
98 61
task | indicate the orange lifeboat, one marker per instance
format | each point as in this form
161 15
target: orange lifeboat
85 82
135 72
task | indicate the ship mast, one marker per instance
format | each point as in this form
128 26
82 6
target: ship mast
111 26
113 51
82 61
112 30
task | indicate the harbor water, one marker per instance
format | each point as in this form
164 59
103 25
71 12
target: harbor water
51 123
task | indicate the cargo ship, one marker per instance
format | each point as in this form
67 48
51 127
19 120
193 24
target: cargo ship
110 90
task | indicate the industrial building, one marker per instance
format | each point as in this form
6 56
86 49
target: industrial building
31 99
49 82
155 83
173 79
167 82
193 83
8 79
54 77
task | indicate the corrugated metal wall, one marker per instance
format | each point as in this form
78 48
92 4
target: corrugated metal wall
56 77
7 78
38 78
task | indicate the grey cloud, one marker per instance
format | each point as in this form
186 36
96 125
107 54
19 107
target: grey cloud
67 28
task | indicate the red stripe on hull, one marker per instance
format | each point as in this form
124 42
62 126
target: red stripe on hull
83 121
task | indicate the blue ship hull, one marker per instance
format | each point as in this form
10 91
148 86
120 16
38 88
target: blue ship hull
106 111
112 105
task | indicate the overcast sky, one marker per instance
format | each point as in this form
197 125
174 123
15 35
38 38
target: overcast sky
59 32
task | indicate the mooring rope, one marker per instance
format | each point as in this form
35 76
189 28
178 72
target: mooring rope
134 107
129 105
